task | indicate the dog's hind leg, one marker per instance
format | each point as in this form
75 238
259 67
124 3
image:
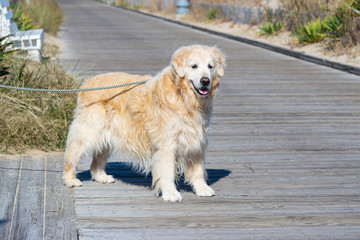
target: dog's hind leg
98 167
74 151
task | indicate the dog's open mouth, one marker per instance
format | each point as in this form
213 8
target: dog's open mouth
203 91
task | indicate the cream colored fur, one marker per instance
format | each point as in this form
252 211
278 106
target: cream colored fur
161 125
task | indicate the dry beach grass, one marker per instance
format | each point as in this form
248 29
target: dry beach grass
33 120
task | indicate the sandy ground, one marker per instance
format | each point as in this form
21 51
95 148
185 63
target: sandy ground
52 46
283 39
29 152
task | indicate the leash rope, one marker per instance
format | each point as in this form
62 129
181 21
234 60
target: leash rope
73 90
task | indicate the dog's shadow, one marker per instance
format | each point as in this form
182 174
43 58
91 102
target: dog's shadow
124 172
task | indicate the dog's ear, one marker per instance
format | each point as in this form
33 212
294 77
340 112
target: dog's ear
220 60
178 60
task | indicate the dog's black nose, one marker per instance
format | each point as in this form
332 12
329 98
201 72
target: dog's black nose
205 81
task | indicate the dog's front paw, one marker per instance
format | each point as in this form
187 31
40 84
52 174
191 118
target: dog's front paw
171 196
205 191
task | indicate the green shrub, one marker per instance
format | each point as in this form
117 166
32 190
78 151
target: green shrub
211 14
139 6
333 26
341 23
348 14
45 14
22 19
301 12
122 3
311 32
272 24
270 28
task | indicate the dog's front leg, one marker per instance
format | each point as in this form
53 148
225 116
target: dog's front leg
195 174
163 171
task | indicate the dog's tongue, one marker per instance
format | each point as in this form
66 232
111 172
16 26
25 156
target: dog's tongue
203 92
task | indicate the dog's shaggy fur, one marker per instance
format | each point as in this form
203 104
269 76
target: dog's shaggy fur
162 125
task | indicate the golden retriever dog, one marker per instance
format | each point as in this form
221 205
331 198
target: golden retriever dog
161 125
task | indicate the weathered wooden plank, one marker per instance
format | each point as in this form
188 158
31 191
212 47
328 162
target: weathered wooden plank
60 222
9 174
223 221
36 204
294 233
28 218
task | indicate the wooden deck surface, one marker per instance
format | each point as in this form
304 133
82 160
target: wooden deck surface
34 202
283 158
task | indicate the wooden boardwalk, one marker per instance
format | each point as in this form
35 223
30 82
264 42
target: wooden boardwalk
283 158
34 204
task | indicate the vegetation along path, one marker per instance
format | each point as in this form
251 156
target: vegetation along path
283 156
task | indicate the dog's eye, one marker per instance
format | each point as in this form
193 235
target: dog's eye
210 66
194 66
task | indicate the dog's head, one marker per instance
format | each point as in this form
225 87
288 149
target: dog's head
201 66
